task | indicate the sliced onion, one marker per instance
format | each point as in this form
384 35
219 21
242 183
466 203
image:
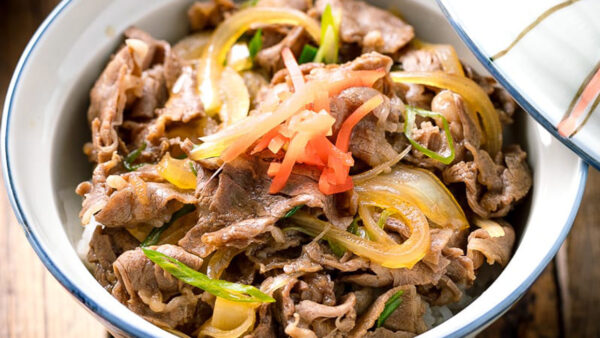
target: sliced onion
375 232
177 172
418 187
227 33
229 319
473 95
493 228
387 165
404 255
219 261
236 101
270 286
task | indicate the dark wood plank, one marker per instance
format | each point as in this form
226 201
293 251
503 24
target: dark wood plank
32 303
535 315
583 252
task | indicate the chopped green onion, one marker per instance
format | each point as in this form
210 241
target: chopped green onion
328 51
353 227
308 54
255 44
181 157
193 168
390 306
357 230
409 124
385 214
248 4
231 291
132 156
154 235
293 211
336 248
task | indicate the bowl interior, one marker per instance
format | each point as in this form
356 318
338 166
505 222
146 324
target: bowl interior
43 139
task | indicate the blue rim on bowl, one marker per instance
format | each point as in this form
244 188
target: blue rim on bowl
118 323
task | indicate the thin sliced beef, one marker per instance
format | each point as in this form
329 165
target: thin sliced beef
242 196
439 240
505 105
370 27
293 329
407 317
265 327
183 106
461 270
157 50
493 249
138 202
270 58
420 60
492 189
95 193
318 254
344 313
318 288
105 246
154 93
368 141
420 274
207 14
118 85
153 293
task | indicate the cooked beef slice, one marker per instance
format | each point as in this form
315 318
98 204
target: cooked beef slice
105 246
139 202
118 85
493 249
368 141
241 195
153 293
371 28
344 313
492 187
270 58
183 106
407 317
95 192
208 14
419 60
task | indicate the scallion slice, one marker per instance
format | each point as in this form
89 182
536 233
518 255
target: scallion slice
409 124
390 306
132 156
231 291
255 44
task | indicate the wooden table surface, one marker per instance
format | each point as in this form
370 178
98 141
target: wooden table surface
565 301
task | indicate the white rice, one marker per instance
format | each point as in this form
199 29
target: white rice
83 245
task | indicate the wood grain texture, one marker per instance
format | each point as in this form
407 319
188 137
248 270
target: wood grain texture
33 304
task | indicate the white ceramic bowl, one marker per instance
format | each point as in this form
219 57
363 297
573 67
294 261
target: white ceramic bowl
44 128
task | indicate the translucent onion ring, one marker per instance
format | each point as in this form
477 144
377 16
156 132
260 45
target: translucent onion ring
227 33
418 187
404 255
